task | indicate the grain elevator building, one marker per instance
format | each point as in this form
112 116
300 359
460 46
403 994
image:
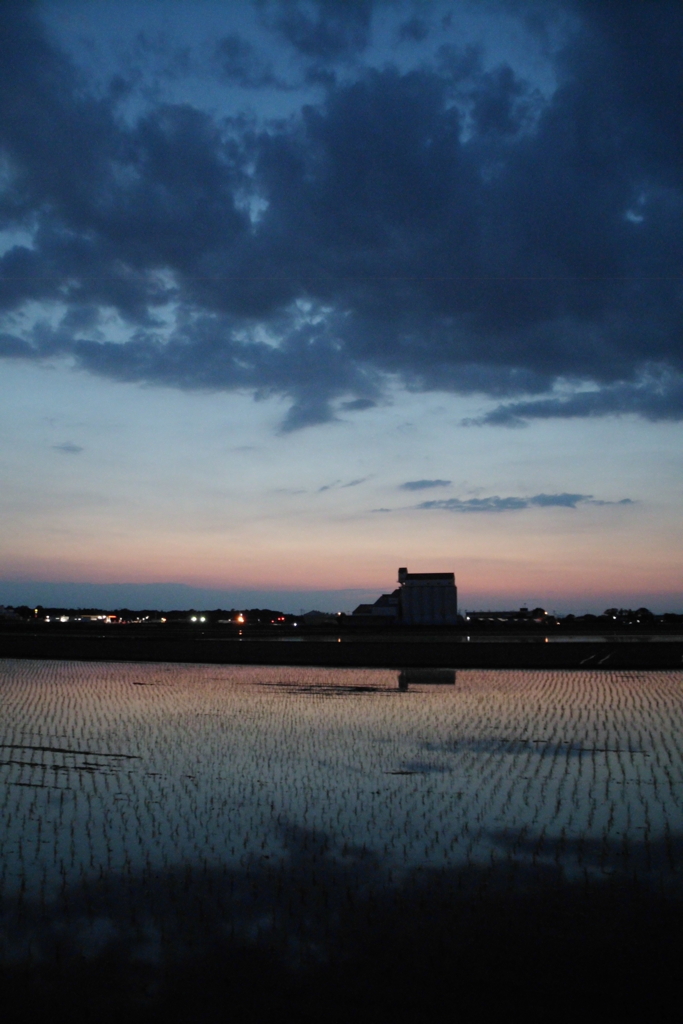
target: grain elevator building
428 598
421 599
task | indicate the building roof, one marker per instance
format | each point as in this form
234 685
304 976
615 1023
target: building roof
419 577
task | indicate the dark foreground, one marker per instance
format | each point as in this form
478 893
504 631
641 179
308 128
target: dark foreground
458 946
528 653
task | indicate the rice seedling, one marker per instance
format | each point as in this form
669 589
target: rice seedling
258 770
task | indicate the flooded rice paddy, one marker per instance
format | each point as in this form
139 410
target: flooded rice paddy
155 804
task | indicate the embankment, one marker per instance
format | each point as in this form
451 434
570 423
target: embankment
351 653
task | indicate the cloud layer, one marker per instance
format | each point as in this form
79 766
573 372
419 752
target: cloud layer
451 226
421 485
494 503
512 504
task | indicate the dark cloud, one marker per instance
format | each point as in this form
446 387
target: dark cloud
656 396
358 405
11 347
355 483
623 501
341 486
565 500
414 29
421 485
240 63
512 504
68 448
323 29
451 227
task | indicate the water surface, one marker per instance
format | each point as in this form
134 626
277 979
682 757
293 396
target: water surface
117 769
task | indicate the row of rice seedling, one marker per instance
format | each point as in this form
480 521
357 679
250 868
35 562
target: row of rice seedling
125 770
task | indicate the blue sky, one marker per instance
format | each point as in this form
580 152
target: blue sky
292 294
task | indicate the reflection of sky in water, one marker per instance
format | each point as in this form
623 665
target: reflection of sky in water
121 767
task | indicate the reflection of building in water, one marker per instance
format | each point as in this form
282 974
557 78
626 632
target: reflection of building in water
426 677
421 599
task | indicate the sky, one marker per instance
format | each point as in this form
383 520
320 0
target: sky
296 292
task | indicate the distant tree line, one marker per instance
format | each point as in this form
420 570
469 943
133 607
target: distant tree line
626 615
261 616
271 616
